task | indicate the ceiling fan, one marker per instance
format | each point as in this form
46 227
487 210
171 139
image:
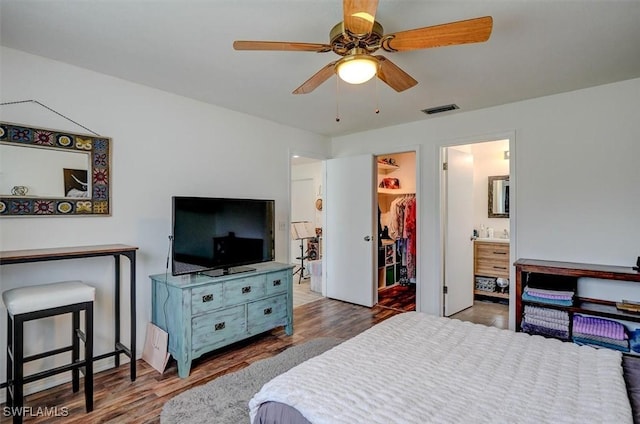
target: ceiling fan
360 35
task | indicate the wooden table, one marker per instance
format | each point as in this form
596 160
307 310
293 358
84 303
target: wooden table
116 250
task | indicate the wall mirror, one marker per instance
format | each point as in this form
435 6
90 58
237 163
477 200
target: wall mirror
47 172
499 196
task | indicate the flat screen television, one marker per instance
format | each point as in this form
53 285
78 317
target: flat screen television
217 236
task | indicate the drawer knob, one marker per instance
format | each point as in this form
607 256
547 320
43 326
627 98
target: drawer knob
276 283
207 298
219 326
267 311
500 267
499 253
246 290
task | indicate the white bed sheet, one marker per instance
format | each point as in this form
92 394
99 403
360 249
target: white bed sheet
416 368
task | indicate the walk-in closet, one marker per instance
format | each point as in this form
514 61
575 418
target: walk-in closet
397 230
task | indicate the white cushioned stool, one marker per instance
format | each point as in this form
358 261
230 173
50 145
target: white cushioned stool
34 302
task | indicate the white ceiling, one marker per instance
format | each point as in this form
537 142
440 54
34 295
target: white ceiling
537 48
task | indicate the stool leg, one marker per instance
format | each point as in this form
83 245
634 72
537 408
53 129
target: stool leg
17 372
9 401
88 356
75 350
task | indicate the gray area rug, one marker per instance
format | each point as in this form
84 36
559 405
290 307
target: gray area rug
225 400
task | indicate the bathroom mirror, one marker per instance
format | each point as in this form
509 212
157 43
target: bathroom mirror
499 196
46 172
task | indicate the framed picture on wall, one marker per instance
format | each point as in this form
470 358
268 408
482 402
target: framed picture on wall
75 182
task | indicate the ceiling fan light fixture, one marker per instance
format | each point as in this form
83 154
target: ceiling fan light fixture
357 69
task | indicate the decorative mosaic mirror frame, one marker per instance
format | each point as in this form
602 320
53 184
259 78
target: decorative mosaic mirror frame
98 202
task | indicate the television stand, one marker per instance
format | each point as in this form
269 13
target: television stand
202 314
227 271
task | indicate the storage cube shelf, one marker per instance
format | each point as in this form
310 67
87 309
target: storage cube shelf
564 276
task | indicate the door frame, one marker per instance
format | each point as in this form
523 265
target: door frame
442 212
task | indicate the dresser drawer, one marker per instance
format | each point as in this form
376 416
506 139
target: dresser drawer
491 259
206 298
277 282
266 314
218 328
495 251
244 290
493 269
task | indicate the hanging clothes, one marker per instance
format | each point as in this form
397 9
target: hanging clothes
401 222
410 234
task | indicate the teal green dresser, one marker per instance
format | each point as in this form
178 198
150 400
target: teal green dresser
203 313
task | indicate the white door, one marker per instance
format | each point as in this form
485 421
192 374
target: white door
350 232
458 248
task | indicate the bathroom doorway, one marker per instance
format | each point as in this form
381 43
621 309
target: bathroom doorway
476 240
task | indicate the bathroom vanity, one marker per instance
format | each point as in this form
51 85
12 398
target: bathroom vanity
490 261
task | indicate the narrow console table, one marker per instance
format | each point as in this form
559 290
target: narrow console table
116 250
203 313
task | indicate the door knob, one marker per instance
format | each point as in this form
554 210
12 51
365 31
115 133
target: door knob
367 238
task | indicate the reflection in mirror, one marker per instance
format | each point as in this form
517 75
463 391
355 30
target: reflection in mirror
50 179
46 172
498 196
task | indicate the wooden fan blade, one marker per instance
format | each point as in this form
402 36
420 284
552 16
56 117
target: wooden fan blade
314 82
282 46
393 76
359 16
461 32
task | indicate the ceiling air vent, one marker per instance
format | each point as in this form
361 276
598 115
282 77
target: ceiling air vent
440 109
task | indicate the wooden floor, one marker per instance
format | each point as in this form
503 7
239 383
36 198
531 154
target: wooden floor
118 400
489 313
402 298
303 294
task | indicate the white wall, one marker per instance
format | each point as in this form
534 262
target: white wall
310 171
576 175
163 145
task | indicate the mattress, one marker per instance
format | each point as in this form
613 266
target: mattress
416 368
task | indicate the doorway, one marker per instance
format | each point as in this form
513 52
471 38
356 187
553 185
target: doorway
397 231
351 220
476 239
305 251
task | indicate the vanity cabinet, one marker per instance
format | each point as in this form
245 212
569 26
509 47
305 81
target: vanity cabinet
491 260
203 313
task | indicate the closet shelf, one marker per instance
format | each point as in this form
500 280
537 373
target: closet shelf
491 294
393 191
385 168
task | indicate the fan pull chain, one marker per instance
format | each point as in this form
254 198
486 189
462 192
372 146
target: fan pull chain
377 98
337 99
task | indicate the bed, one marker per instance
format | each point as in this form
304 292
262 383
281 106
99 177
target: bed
417 368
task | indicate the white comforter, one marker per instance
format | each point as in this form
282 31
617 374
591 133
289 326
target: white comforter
416 368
